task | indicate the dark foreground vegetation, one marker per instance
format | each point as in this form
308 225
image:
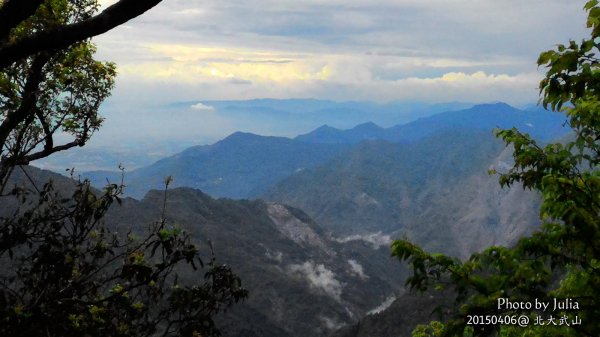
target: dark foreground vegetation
64 273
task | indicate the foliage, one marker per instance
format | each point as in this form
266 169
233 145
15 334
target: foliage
433 329
66 274
56 92
561 259
62 271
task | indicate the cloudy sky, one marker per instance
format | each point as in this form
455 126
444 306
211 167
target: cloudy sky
379 50
343 50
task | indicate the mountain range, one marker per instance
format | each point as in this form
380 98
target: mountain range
285 260
436 191
329 204
242 165
188 123
539 123
290 116
245 165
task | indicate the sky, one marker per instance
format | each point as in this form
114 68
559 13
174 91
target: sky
432 51
374 50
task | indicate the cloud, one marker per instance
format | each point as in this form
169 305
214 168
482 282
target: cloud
357 269
275 256
336 49
202 107
376 239
477 77
384 305
319 277
268 73
331 323
194 64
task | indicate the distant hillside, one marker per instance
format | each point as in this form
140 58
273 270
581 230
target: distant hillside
436 191
245 165
290 116
359 133
540 124
240 166
187 127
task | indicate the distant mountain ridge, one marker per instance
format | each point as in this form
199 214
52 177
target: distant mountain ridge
310 113
540 124
278 117
245 165
240 166
359 133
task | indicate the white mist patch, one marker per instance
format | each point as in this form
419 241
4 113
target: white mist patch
331 324
364 199
384 305
319 277
202 107
275 256
376 239
357 269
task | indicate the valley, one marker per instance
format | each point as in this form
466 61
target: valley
310 219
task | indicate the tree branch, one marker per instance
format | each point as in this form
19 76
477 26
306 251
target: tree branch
27 107
64 36
48 139
25 160
13 12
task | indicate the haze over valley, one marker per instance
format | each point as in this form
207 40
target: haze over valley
309 219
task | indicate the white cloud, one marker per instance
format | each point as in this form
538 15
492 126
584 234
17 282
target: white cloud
357 269
275 256
384 305
331 323
202 107
319 277
376 239
337 49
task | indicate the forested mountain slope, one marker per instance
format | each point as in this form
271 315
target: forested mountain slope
244 165
240 166
437 191
301 281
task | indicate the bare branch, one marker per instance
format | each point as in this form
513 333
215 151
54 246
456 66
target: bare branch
46 152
